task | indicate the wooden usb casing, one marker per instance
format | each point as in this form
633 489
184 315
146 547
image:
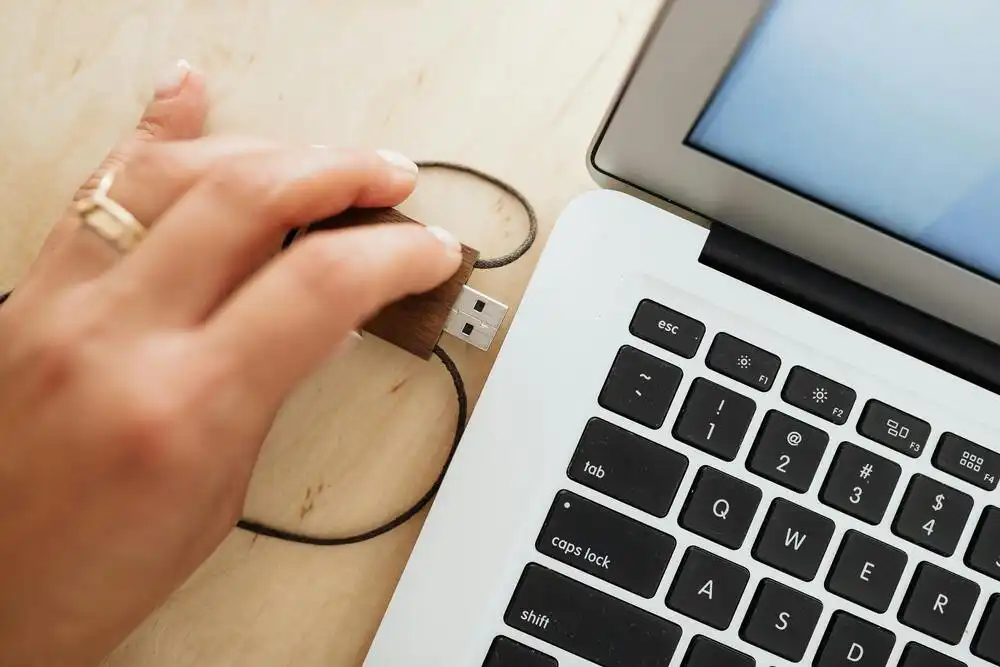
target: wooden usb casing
416 322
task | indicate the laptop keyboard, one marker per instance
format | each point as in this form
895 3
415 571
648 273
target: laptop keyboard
791 448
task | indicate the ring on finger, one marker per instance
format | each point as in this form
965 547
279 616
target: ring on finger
111 221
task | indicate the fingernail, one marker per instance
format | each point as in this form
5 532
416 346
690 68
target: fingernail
171 80
352 340
398 160
449 241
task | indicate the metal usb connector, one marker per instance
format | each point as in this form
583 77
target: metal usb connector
475 318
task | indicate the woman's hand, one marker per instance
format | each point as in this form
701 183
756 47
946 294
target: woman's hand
135 390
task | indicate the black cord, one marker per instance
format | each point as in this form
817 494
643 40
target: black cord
463 410
266 530
529 240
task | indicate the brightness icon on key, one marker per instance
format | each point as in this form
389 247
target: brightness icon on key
819 395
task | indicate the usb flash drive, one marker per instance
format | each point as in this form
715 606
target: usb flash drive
417 322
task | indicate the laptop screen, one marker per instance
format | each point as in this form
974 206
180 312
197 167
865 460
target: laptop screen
885 110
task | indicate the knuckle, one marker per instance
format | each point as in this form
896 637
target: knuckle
150 429
244 181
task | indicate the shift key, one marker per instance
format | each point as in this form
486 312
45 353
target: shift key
606 544
588 623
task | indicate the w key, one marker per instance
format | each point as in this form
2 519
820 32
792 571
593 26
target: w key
794 539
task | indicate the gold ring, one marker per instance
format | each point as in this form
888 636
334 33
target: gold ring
110 220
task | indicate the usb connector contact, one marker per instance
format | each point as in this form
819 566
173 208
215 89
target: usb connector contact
475 318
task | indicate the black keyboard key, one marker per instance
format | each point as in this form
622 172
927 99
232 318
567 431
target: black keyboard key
818 395
506 652
918 655
714 419
894 428
708 588
743 362
852 641
933 515
968 461
627 467
939 603
787 451
986 644
984 554
720 507
705 652
666 328
606 544
588 623
640 387
860 483
781 620
866 571
793 539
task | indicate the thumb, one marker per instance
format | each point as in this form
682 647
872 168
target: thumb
176 111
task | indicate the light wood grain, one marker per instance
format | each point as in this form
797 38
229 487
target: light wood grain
515 87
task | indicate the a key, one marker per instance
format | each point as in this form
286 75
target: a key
894 428
627 467
705 652
666 328
984 554
708 588
588 623
606 544
743 362
860 483
933 515
505 652
866 571
787 451
918 655
720 507
640 387
852 641
714 419
794 539
781 620
968 461
818 395
986 644
939 603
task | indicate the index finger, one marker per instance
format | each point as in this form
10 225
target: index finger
291 316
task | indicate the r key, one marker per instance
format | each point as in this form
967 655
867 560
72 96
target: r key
939 603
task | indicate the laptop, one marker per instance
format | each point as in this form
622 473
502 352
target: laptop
747 411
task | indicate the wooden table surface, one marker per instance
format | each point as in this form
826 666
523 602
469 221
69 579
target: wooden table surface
515 87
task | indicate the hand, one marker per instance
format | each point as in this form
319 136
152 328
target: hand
135 390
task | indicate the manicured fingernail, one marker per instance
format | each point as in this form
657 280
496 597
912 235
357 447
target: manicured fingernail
352 340
399 161
171 80
449 241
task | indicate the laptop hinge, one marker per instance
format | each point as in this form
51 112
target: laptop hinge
854 306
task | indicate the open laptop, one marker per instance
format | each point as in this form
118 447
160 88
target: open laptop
746 413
